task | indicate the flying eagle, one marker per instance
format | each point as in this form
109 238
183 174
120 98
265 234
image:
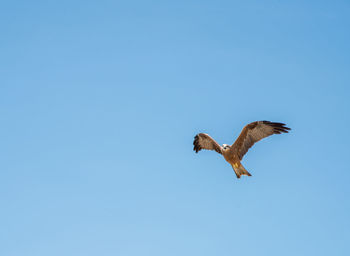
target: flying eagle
233 154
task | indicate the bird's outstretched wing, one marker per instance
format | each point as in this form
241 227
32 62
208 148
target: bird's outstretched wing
254 132
204 141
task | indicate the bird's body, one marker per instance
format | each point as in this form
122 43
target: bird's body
233 154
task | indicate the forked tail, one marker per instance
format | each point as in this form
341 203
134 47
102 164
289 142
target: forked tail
240 170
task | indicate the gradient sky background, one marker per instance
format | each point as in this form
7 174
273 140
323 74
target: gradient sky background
99 104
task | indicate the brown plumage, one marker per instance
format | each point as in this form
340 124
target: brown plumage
233 154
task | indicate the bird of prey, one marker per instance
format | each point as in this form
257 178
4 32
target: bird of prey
233 154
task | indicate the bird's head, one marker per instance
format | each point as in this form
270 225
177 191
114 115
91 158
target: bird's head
225 146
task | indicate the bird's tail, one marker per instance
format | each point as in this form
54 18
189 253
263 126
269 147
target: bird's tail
240 170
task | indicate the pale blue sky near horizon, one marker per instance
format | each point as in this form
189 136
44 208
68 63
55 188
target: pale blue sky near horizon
99 104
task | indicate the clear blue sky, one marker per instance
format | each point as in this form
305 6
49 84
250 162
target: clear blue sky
99 104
